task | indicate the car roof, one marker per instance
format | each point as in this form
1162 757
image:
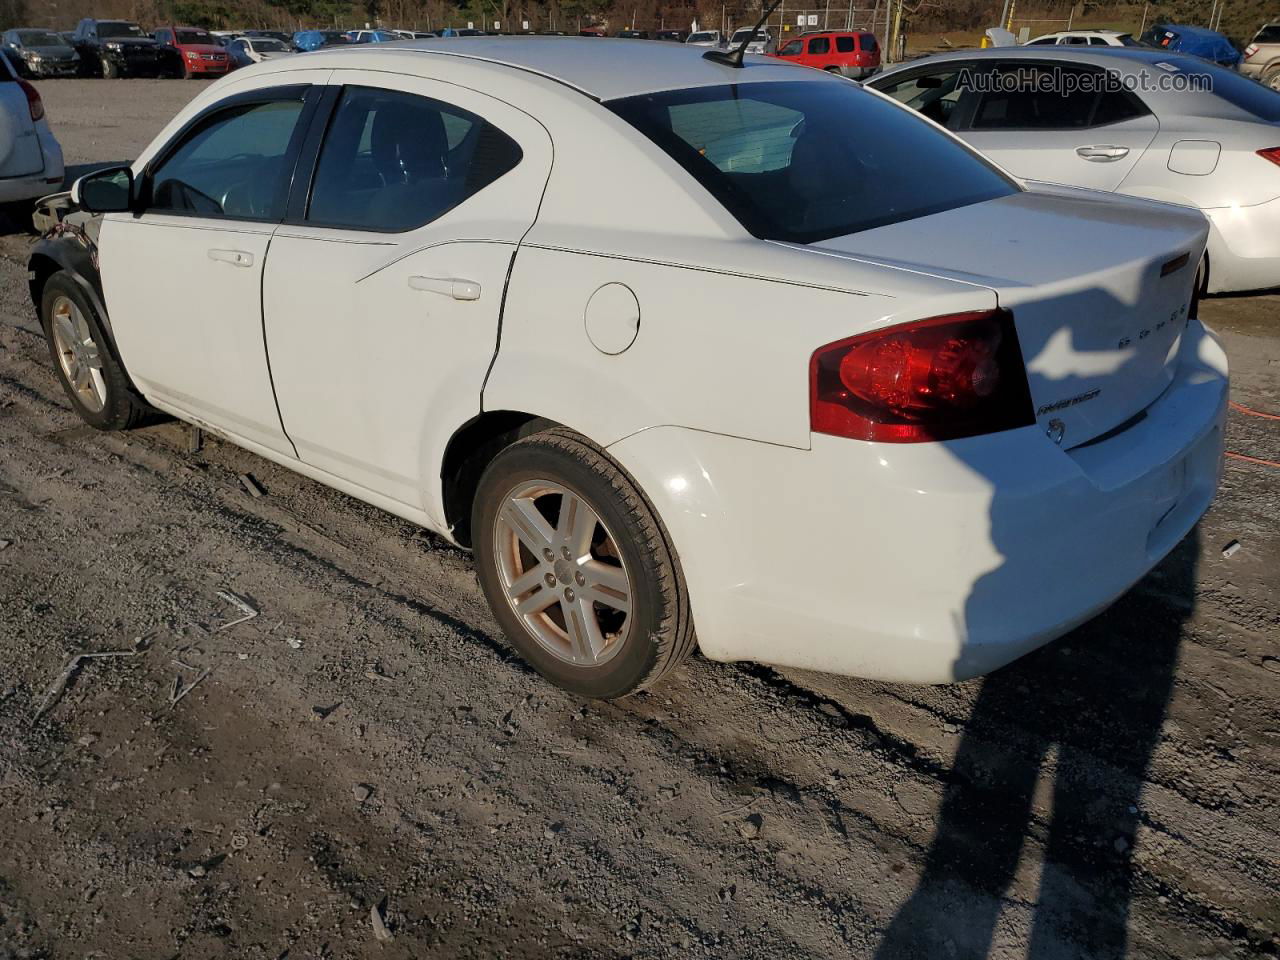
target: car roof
603 68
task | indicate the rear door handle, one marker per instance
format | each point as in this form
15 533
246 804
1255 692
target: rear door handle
454 287
237 258
1102 153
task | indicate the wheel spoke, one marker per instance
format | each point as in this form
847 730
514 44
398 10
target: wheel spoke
65 330
585 640
577 524
91 356
80 377
539 597
83 334
528 524
607 584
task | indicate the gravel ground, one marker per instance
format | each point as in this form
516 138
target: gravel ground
368 745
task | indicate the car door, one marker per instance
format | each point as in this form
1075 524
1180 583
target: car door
182 276
384 289
1059 122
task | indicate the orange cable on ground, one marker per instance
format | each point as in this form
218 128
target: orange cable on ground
1241 456
1253 413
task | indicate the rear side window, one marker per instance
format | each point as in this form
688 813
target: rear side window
393 161
1268 34
844 45
233 163
868 42
819 45
805 161
1032 105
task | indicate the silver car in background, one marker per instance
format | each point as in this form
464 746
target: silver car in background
763 42
1126 120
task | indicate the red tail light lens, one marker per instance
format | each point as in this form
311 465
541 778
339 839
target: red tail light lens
938 379
1272 154
34 103
1250 50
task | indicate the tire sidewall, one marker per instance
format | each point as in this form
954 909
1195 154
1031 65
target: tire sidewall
60 284
531 460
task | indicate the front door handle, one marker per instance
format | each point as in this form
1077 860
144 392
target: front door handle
237 258
454 287
1102 153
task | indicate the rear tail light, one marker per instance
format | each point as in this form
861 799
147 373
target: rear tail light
1272 154
34 103
938 379
1250 50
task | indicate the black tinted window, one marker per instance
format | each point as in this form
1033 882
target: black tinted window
231 164
868 42
1268 34
819 45
804 161
844 44
394 161
792 49
1030 98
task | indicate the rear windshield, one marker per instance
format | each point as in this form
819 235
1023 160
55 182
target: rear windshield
804 161
1126 40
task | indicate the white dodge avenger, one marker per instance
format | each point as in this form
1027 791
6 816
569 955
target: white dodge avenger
678 348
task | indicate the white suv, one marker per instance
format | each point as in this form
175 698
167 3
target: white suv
1086 38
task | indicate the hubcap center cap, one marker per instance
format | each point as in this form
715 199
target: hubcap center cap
564 571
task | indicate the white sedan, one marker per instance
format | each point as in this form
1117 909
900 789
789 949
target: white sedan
30 157
1142 122
818 385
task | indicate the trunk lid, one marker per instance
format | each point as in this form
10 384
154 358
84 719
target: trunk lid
1097 284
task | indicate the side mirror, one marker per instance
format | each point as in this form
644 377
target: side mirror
104 191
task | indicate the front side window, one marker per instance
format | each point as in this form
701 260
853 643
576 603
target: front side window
792 49
803 161
233 163
934 94
393 161
819 45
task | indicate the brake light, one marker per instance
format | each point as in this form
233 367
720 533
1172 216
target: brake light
1272 154
34 103
938 379
1250 50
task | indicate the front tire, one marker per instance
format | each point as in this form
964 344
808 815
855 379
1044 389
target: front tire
109 69
95 383
578 568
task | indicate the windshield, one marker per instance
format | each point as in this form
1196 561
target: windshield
109 29
702 38
39 38
803 161
267 45
195 36
740 35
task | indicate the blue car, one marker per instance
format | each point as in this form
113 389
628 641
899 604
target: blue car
1197 41
307 40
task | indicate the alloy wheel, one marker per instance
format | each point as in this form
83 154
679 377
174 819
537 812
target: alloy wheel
78 354
562 573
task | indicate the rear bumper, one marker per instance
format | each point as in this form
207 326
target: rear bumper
858 73
1244 247
928 562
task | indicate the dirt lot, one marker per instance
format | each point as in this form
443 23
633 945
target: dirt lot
367 741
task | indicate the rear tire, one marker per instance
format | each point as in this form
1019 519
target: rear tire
1272 79
95 383
562 533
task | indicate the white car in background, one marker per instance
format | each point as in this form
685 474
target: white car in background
259 49
705 38
820 387
1085 38
1130 124
763 42
31 163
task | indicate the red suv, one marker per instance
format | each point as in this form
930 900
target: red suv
855 54
197 49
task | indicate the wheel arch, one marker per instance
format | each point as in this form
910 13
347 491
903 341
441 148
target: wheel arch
470 449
